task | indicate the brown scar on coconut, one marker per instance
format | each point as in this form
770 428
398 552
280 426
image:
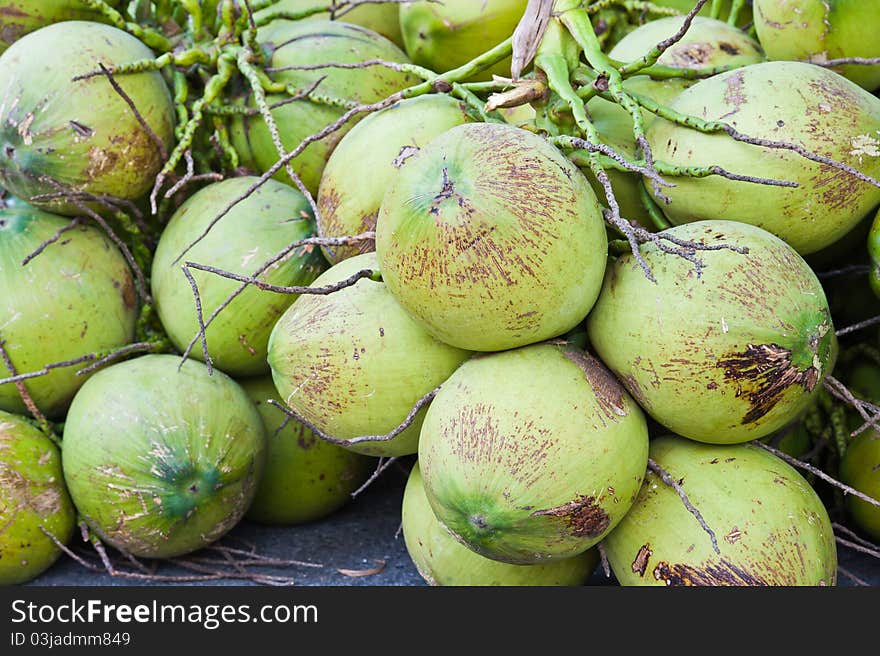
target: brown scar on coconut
763 373
609 392
723 573
584 517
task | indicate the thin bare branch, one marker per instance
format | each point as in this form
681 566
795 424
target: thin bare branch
160 146
26 397
803 152
853 269
845 61
668 480
254 558
855 536
867 323
868 411
857 547
328 241
852 577
657 51
278 289
140 280
794 462
380 469
421 403
201 319
128 349
67 551
367 63
74 223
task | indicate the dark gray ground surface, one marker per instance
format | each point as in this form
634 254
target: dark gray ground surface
355 538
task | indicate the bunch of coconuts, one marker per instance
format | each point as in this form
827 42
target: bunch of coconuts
430 281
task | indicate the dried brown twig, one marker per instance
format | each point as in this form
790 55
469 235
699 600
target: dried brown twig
794 462
140 279
26 397
233 564
283 289
668 480
384 463
410 417
317 241
160 145
868 411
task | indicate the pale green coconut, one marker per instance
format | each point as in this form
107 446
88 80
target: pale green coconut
860 469
821 30
492 239
729 355
354 363
309 43
253 232
33 501
684 6
706 44
441 560
532 455
443 36
162 458
365 162
20 17
383 18
792 102
77 297
770 526
58 134
305 477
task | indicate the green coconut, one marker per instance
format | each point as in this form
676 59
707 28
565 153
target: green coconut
309 43
75 298
821 30
791 102
874 255
383 18
305 477
33 499
187 469
863 380
860 469
253 232
20 17
492 239
707 43
747 342
441 560
770 527
532 455
354 363
522 116
443 36
794 440
684 6
366 161
60 136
